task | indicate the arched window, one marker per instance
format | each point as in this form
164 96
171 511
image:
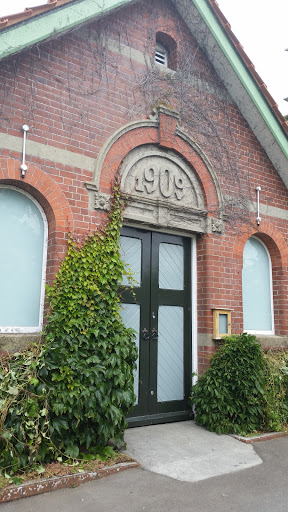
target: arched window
257 288
23 231
166 51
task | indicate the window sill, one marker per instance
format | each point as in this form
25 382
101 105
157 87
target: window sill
272 341
164 69
17 342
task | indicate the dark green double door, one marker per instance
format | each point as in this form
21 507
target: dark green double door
159 309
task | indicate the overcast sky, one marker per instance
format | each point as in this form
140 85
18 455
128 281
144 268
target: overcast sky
261 27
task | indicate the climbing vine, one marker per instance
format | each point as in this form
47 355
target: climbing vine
75 391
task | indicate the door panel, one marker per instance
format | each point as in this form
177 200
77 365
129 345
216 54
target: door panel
130 250
163 297
170 361
131 318
171 266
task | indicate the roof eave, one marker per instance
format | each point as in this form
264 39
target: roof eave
237 78
213 34
52 23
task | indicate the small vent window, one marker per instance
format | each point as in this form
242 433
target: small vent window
161 55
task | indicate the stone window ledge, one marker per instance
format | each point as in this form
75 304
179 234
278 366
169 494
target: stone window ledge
17 342
272 341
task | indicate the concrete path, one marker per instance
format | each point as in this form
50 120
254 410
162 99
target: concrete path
187 452
262 488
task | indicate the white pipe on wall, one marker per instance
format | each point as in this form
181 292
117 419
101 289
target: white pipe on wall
23 166
258 189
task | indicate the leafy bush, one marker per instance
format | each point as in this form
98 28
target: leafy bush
276 390
24 423
78 388
229 396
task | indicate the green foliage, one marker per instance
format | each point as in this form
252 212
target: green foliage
24 420
276 390
77 390
244 389
230 396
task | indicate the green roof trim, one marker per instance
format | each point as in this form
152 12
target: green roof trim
52 23
242 73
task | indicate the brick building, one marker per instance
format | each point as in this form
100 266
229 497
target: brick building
162 95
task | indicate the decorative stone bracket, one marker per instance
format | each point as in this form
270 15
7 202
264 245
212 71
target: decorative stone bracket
98 200
102 201
217 225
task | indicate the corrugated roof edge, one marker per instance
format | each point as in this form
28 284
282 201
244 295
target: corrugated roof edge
29 12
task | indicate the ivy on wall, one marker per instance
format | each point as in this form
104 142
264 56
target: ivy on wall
78 387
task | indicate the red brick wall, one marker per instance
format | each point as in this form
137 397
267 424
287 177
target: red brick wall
74 92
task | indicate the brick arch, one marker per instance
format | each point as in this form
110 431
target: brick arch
54 203
164 132
270 235
278 250
167 40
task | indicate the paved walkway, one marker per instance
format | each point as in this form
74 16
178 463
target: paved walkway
187 452
262 488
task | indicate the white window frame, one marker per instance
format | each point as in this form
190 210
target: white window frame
33 329
252 331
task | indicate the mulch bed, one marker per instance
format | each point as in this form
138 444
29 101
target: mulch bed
58 476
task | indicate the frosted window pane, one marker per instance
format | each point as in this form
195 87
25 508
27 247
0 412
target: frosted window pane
256 287
130 250
171 267
21 260
170 370
131 317
223 324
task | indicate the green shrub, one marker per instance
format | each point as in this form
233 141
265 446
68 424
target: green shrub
24 422
77 389
229 396
276 390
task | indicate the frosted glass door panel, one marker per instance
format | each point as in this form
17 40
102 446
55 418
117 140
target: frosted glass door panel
170 370
21 260
130 250
131 317
256 285
171 267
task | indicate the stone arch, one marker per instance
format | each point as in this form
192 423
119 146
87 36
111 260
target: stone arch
162 131
162 190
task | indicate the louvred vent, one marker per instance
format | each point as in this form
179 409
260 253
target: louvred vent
161 55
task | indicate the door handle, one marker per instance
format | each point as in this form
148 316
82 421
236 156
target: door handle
154 334
145 334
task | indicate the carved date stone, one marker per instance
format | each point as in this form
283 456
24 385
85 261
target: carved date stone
162 190
161 176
